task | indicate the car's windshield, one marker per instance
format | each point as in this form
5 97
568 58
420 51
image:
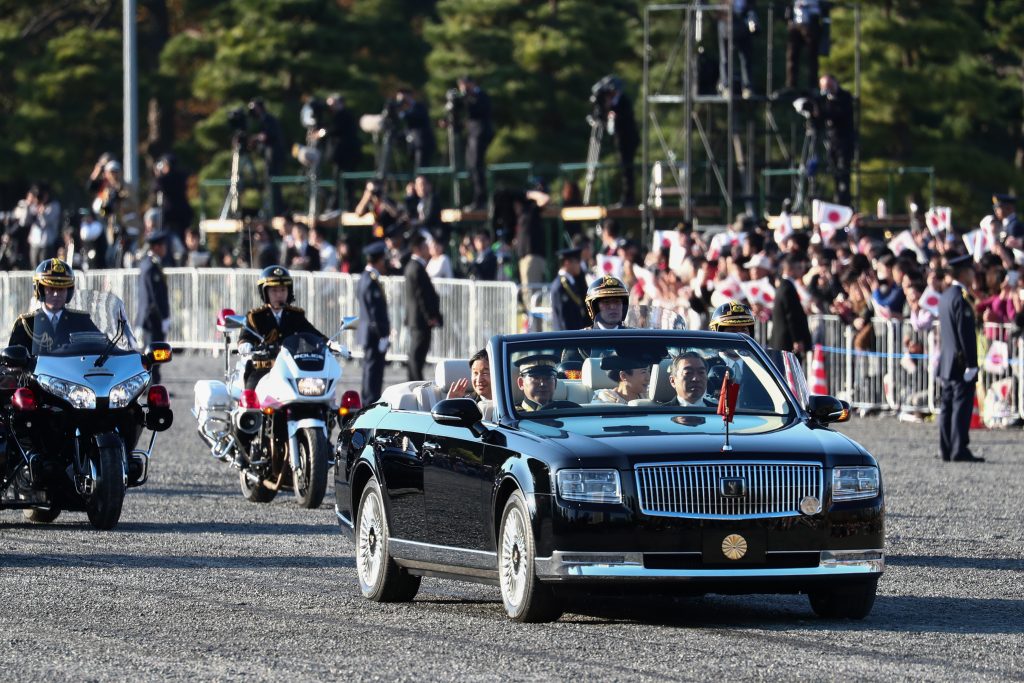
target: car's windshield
615 374
95 320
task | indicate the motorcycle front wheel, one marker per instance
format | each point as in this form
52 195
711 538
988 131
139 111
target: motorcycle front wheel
103 506
311 482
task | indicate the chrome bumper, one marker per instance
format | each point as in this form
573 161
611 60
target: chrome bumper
572 566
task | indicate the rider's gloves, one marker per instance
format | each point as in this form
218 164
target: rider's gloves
166 326
245 349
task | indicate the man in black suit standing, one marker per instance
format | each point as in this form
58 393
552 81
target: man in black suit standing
790 331
620 121
958 362
1004 207
568 292
153 310
374 333
422 305
479 133
300 254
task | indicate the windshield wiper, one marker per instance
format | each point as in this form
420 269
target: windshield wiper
111 343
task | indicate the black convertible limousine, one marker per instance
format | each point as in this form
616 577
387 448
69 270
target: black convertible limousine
624 477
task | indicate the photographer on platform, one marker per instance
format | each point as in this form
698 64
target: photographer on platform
419 135
474 105
614 109
744 26
170 195
115 205
804 35
343 149
269 141
835 111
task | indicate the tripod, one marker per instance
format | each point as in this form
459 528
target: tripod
238 157
453 142
593 156
806 183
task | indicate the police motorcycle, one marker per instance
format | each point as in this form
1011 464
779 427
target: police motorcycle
276 435
73 415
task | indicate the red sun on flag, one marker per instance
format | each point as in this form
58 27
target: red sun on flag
833 216
755 291
933 220
607 266
931 301
666 244
768 298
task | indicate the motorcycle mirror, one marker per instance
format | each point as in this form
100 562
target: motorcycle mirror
350 322
222 319
158 352
234 322
14 357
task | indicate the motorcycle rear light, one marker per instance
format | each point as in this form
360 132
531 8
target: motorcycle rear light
223 315
249 399
350 401
24 399
158 397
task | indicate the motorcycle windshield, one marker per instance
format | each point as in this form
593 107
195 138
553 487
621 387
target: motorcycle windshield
106 330
307 350
653 318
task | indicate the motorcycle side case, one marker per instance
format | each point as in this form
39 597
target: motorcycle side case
211 394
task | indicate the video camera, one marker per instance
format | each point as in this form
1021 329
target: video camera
453 100
238 122
314 113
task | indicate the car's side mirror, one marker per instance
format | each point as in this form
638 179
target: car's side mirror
459 412
15 357
350 322
828 409
158 352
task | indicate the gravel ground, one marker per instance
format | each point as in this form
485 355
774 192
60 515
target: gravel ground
196 582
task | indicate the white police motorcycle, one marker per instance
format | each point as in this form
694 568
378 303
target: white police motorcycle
276 435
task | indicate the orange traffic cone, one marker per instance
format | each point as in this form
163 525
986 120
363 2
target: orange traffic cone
976 421
818 384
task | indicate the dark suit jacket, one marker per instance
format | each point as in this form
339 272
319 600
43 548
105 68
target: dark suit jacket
958 346
34 332
567 303
293 254
374 323
627 136
1013 227
421 300
261 319
154 305
789 320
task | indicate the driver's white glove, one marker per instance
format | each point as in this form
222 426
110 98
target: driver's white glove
166 325
383 344
245 349
970 374
339 349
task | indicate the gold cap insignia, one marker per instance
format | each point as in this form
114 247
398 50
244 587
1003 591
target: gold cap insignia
56 266
734 546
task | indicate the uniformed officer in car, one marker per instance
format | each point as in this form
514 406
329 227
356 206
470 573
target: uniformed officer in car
537 380
153 310
276 319
52 325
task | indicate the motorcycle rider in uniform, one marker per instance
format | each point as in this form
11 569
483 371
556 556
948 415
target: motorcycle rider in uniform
275 320
52 325
607 303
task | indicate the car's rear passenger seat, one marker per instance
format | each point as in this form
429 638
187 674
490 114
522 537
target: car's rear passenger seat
423 395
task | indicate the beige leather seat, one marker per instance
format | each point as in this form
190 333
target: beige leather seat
446 373
402 396
660 390
594 378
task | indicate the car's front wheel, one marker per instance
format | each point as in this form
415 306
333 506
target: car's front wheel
853 601
526 599
380 578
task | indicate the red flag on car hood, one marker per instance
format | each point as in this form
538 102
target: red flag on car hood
727 399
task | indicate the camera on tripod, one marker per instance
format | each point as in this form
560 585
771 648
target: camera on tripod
239 125
314 113
811 108
454 100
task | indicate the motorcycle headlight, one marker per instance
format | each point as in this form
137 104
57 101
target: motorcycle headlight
78 396
854 483
312 386
590 486
124 393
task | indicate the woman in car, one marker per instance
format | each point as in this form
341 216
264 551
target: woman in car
631 375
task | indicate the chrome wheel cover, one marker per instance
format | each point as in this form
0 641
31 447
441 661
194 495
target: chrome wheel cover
370 544
513 572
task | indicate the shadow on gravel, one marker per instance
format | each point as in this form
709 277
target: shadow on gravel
190 490
244 529
11 560
949 562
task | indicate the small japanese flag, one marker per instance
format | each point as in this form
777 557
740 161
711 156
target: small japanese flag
726 290
930 301
938 218
759 292
664 239
830 218
609 265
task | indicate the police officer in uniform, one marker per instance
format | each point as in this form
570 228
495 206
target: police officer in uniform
958 363
374 325
537 380
568 292
274 320
52 325
153 311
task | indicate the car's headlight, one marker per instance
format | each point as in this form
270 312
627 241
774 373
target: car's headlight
854 483
590 486
78 396
312 386
124 393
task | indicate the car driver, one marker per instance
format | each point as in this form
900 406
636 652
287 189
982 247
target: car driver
537 381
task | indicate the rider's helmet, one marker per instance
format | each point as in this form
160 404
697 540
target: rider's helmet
607 287
53 273
275 276
732 316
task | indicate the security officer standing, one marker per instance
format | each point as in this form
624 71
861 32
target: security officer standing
276 319
479 133
1004 207
374 330
422 305
958 363
567 293
52 324
153 310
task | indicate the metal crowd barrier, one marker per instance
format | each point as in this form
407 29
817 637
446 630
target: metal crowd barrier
473 311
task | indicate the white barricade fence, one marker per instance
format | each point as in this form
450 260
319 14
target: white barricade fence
473 311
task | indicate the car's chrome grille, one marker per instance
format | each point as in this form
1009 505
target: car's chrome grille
694 489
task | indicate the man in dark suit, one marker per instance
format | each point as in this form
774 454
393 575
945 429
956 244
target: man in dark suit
1004 207
374 330
275 320
422 205
419 131
568 292
153 309
422 305
52 325
620 121
790 331
300 254
688 375
479 133
344 150
958 362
